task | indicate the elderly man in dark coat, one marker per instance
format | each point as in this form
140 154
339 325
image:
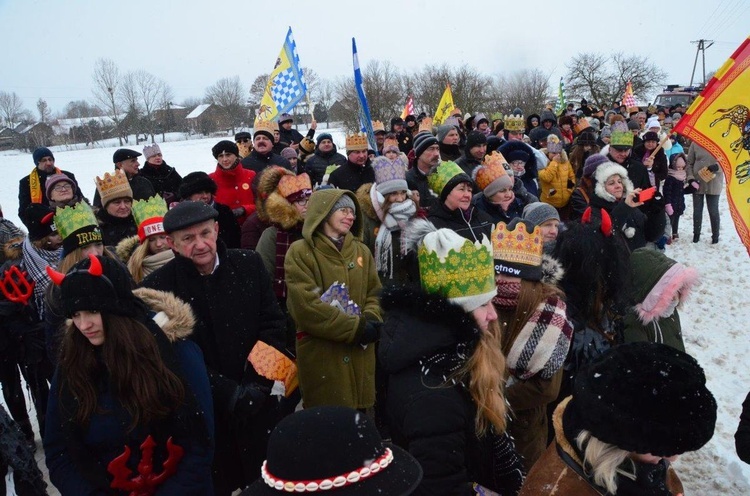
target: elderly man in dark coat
235 307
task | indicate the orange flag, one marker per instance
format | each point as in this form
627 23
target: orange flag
719 121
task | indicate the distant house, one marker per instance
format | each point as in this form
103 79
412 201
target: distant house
34 135
171 118
205 119
8 138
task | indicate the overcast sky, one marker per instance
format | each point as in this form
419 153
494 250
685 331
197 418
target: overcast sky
50 46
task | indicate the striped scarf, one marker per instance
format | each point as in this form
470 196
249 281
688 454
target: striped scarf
35 262
543 342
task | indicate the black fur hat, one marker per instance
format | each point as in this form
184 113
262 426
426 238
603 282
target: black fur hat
644 398
196 182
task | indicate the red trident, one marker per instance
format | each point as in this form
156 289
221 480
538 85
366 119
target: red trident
16 287
146 482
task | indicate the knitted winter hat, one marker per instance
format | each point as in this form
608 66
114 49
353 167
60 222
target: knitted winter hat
645 398
538 213
41 153
337 450
492 176
475 138
457 268
186 214
100 284
149 216
517 249
592 162
653 121
8 232
604 172
650 136
113 186
151 150
390 175
422 141
445 177
622 136
225 146
344 202
633 125
54 179
606 132
289 152
77 226
324 136
285 117
39 220
442 131
196 182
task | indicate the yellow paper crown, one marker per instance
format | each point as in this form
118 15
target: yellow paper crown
425 125
390 142
515 123
148 209
290 184
70 219
267 126
514 243
356 141
378 126
583 123
494 168
113 186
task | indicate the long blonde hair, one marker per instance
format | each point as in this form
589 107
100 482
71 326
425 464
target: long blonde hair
484 370
135 262
604 459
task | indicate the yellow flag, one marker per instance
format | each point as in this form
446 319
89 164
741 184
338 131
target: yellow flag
445 107
286 84
719 121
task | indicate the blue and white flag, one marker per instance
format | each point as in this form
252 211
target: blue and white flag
365 122
286 84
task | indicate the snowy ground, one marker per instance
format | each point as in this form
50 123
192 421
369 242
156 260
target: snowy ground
714 319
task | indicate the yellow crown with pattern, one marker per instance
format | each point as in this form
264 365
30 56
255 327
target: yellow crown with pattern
70 219
456 267
378 126
515 123
357 141
290 184
267 126
113 186
517 248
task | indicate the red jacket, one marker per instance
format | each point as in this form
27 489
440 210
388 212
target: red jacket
233 189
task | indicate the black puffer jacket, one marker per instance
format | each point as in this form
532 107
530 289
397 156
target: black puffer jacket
165 179
478 222
432 420
351 176
317 163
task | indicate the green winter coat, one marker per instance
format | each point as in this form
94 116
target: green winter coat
333 369
655 280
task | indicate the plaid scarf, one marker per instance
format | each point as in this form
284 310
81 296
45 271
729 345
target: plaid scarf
35 262
542 344
507 294
283 240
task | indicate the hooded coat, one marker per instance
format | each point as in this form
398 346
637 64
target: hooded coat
540 132
557 181
428 415
77 457
655 281
333 368
317 163
529 177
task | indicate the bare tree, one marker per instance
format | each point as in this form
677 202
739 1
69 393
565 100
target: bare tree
145 93
44 112
256 91
471 90
81 108
229 96
106 90
527 89
11 108
603 78
326 97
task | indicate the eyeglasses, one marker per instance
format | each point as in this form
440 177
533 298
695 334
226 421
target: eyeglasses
243 140
62 187
302 201
346 210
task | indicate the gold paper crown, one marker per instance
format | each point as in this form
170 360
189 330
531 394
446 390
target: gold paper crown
456 272
390 142
148 209
517 246
113 186
290 184
515 123
378 126
494 168
356 141
583 123
267 126
70 219
425 125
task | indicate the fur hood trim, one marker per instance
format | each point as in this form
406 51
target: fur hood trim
267 184
603 172
430 308
174 316
280 211
677 278
415 233
126 247
13 249
365 202
552 270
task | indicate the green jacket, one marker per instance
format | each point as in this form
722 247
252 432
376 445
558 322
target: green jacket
333 369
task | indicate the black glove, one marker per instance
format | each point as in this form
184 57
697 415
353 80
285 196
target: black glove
239 211
571 184
372 332
714 168
248 399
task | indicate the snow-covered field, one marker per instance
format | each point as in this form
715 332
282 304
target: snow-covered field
714 319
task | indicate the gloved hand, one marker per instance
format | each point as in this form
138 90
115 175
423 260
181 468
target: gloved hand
668 208
695 185
248 399
372 332
239 211
714 168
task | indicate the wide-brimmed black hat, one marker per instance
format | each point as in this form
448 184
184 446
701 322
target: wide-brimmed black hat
338 447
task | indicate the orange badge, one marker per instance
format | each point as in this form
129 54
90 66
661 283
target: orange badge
245 186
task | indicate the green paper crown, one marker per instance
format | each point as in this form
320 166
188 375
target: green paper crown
464 273
621 135
439 178
71 219
148 209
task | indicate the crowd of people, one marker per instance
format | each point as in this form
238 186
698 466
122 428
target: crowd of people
484 306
